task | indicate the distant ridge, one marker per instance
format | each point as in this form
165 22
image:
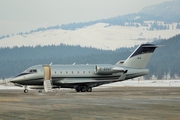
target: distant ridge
167 11
100 36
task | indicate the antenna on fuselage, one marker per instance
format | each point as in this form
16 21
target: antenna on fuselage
74 63
51 63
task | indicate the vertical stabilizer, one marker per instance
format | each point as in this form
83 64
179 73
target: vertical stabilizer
140 57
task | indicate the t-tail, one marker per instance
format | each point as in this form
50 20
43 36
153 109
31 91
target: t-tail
140 57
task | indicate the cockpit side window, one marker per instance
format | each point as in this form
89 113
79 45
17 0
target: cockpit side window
28 71
33 71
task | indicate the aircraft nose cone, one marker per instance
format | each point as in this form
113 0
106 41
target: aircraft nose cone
14 80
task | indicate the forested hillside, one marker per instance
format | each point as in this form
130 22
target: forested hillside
15 60
166 11
165 60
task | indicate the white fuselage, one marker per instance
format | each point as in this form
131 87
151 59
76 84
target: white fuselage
74 74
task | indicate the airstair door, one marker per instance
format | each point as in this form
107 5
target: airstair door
47 78
47 72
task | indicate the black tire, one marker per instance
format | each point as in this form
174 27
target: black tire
25 90
83 89
40 91
78 89
89 89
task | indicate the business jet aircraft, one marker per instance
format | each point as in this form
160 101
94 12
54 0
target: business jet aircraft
83 78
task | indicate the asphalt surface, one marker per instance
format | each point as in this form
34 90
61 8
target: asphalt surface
117 103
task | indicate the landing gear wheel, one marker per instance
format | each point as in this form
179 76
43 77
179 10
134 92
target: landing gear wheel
89 89
83 89
78 90
25 90
40 91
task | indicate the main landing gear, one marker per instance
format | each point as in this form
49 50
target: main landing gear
84 89
40 91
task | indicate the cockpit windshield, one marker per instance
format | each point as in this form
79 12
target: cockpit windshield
28 71
32 71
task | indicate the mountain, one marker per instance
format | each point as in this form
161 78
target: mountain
101 36
165 61
167 11
163 64
152 23
99 41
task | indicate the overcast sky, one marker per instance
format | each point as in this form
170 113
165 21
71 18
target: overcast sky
25 15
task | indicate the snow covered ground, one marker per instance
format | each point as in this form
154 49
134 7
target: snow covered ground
146 83
4 87
128 83
100 35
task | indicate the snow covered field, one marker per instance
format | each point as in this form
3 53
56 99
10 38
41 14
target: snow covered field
128 83
100 35
4 87
146 83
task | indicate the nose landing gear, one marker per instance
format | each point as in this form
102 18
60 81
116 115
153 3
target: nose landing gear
25 89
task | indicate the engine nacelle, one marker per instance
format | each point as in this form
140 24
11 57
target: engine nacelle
107 70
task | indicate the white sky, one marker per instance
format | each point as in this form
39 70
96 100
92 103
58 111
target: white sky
25 15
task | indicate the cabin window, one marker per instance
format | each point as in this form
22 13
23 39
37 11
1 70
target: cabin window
55 72
78 72
66 72
72 72
89 72
61 72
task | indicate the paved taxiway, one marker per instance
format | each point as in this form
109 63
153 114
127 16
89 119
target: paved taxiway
114 103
